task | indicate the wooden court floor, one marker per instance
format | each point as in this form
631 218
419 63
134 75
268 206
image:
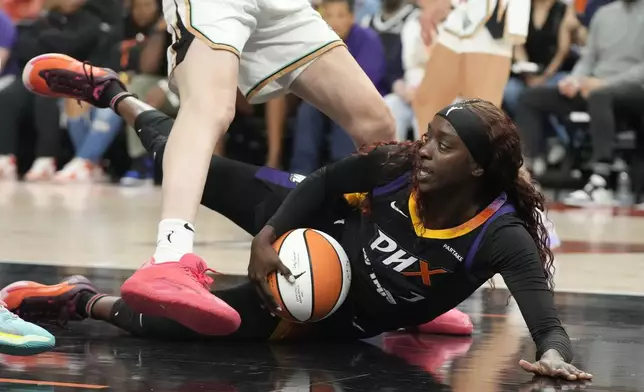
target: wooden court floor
107 226
105 232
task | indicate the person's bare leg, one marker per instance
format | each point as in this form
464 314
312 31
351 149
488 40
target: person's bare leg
348 97
485 76
207 109
173 284
440 86
276 113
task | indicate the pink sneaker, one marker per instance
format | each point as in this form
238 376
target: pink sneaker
180 291
454 322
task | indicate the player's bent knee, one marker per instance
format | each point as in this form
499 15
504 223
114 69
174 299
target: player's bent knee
208 111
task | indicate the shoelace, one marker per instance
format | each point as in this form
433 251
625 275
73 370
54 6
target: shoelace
88 74
200 276
53 78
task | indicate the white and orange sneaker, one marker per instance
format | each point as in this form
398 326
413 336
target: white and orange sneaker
180 291
79 170
43 169
8 168
60 76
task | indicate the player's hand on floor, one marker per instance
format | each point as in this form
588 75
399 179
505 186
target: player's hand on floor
552 364
541 383
263 261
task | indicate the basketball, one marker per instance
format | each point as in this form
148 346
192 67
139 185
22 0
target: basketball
322 275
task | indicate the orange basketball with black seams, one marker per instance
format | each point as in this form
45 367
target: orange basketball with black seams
322 275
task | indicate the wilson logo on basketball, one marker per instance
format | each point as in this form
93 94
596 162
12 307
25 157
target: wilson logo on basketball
401 260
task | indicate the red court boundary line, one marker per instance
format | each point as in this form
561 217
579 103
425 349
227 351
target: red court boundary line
51 383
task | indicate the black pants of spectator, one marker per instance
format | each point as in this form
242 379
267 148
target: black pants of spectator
17 104
637 164
602 106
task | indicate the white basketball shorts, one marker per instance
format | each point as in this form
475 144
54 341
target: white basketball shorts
274 39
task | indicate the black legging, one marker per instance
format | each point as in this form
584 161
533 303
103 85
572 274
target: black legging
16 104
247 195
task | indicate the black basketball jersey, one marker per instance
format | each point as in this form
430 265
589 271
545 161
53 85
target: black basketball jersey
404 274
400 269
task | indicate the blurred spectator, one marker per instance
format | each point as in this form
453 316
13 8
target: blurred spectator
91 132
21 10
609 74
414 57
548 50
472 51
80 28
8 67
591 8
7 75
144 59
388 23
364 8
366 48
552 24
143 21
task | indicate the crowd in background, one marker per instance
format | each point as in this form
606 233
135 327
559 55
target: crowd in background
576 92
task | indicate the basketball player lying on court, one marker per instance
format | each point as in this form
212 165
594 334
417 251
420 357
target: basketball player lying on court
454 203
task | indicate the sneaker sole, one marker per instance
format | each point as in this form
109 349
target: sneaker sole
25 345
215 318
29 69
19 293
37 84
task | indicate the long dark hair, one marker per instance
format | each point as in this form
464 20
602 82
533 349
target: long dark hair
504 174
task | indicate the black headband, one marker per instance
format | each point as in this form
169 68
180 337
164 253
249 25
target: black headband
472 131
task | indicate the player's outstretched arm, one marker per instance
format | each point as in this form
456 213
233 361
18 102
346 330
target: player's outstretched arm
513 253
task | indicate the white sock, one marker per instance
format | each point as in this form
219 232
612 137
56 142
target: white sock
175 239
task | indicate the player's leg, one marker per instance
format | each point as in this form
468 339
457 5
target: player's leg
440 86
252 194
485 76
257 322
299 52
76 299
207 109
248 188
208 39
65 77
348 97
